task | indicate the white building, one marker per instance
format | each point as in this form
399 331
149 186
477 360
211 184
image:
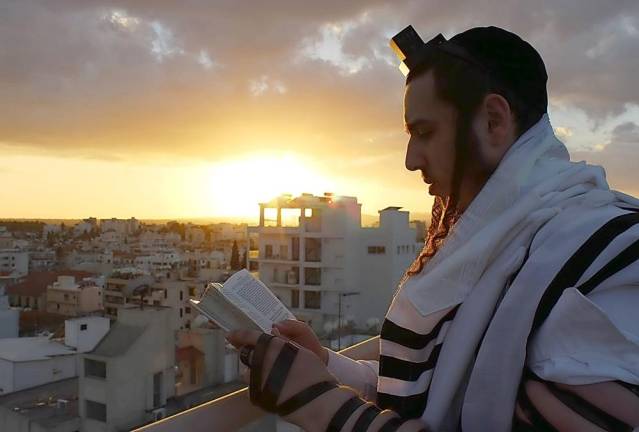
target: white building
195 235
86 226
42 259
126 380
14 262
95 261
150 241
318 259
159 261
51 228
32 361
84 333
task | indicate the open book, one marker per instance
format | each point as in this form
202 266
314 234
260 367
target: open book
242 302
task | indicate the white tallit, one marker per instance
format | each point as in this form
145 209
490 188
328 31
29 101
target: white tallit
534 184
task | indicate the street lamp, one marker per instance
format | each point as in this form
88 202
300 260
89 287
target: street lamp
339 316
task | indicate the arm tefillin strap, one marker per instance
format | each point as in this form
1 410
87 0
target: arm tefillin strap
266 396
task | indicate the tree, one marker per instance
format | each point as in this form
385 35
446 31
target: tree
235 257
243 260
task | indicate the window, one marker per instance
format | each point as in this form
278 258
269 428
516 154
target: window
157 389
378 250
181 313
94 368
312 299
312 276
181 295
187 309
83 327
191 291
165 294
295 298
268 251
397 250
95 410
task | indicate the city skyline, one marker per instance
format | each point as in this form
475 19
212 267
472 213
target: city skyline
172 112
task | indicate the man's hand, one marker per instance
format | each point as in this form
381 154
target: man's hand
303 335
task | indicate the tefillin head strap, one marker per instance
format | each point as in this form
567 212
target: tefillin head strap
412 51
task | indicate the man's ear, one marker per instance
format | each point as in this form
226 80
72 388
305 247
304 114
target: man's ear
498 128
499 118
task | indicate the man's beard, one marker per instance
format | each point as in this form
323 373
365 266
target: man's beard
445 212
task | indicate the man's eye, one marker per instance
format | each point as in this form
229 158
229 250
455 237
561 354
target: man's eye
421 132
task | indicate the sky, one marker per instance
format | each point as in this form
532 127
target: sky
195 109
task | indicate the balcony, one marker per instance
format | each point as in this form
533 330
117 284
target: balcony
234 411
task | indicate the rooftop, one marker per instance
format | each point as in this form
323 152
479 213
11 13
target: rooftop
118 340
40 404
32 349
35 283
310 201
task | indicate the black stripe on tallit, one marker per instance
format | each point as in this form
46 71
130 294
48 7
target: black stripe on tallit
408 407
579 262
618 263
408 338
589 411
405 370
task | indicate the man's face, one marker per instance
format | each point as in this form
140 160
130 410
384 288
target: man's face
431 125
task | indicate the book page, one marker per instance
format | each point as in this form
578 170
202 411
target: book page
255 299
221 311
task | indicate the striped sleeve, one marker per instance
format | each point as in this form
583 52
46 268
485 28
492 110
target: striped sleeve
409 350
360 375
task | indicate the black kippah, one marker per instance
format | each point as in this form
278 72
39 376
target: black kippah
511 60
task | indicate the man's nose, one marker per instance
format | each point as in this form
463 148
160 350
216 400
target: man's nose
412 157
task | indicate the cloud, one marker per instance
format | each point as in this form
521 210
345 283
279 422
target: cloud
618 156
140 78
264 84
563 133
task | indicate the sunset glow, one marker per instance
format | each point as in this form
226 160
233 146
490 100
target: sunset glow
202 111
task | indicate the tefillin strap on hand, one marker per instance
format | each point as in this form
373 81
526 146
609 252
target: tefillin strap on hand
413 52
266 396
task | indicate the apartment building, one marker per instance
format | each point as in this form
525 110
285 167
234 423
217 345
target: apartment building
121 226
70 297
318 259
14 262
131 287
124 287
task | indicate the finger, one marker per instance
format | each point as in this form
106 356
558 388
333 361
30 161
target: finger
276 332
291 328
240 338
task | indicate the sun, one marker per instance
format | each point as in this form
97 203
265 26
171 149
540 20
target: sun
237 186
